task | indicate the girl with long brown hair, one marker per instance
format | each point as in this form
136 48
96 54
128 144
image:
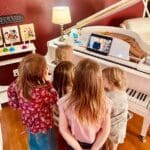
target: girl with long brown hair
84 119
63 77
34 95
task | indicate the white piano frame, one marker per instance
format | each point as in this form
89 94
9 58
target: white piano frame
80 52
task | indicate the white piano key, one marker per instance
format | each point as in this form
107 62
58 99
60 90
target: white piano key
135 97
132 96
138 98
148 106
144 103
147 101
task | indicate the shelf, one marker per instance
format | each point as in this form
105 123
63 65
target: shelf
10 61
3 88
18 50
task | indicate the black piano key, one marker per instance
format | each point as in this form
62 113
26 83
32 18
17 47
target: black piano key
131 92
127 90
138 95
144 97
141 96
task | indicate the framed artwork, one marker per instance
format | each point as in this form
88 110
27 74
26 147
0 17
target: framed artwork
11 34
1 39
27 32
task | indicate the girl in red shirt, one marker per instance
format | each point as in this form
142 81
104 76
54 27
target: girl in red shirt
34 95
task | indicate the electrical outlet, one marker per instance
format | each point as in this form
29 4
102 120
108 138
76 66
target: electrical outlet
15 72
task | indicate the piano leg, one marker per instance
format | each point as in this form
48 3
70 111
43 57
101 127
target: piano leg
145 126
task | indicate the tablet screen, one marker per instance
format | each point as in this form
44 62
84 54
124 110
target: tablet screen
99 43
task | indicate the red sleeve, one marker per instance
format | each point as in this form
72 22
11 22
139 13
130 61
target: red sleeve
12 95
47 94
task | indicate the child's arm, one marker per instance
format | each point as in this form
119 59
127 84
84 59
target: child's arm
49 95
55 115
12 95
64 130
103 133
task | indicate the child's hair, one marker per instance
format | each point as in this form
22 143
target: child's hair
32 70
63 77
116 77
87 95
64 53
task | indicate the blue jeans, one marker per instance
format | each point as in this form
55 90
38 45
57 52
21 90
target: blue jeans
42 141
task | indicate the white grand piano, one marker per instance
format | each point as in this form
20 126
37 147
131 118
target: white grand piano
138 80
137 73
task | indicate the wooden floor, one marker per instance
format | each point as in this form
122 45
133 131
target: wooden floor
14 137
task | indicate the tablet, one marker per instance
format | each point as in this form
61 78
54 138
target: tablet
99 43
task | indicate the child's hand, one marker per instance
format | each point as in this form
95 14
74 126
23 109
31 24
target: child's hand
55 115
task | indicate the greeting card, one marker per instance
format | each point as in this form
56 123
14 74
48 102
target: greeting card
27 32
11 34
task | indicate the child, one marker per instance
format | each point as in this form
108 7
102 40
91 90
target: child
115 84
63 77
62 81
34 95
63 53
84 114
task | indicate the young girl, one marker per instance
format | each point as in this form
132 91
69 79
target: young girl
115 85
63 53
84 119
62 81
34 95
63 77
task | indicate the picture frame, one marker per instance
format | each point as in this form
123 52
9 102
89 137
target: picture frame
27 32
11 34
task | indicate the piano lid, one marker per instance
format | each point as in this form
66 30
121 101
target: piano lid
106 12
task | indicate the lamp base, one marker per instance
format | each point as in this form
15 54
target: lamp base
61 39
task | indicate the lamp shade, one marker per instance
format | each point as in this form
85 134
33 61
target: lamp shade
61 15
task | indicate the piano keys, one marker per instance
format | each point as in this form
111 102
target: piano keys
139 98
139 103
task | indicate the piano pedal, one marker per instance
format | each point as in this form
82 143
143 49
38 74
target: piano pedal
143 139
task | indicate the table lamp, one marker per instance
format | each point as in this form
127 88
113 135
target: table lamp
61 16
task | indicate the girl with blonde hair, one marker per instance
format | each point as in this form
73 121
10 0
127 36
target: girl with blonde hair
34 96
84 119
115 84
64 52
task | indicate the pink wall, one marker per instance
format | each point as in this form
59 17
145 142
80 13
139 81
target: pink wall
39 13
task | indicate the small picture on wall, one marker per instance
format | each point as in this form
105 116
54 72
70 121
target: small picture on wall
27 32
1 39
11 34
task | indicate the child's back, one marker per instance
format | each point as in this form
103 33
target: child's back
34 95
84 113
62 81
118 115
115 84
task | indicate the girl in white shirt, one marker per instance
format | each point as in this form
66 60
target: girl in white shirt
115 85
